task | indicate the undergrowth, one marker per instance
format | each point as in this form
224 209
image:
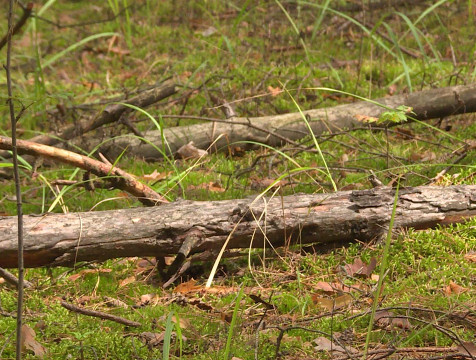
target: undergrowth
245 53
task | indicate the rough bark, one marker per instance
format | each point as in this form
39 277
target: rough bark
62 239
429 104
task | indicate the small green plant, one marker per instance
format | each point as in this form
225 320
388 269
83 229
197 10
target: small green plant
397 116
231 330
383 270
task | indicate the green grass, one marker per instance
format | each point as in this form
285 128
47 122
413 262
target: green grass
257 45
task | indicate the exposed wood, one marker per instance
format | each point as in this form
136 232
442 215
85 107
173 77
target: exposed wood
116 177
429 104
62 239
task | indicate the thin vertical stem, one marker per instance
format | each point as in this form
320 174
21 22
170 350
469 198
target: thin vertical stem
17 181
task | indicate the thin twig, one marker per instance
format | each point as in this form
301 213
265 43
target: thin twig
26 14
12 279
16 173
100 314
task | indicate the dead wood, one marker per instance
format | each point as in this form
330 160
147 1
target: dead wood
272 130
12 279
100 314
118 178
110 114
63 239
19 24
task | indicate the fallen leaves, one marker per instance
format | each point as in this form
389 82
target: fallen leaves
274 91
324 344
454 288
210 186
190 151
359 268
387 319
28 342
82 273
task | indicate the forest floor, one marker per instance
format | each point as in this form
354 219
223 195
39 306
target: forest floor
263 58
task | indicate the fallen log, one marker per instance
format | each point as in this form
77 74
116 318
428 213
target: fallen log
271 130
364 215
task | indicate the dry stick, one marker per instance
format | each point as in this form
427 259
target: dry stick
13 121
100 314
12 279
26 14
120 179
440 349
110 114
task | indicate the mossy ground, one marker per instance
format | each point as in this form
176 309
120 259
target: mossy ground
242 51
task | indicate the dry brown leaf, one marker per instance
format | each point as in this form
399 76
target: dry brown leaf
454 288
127 281
75 277
187 287
28 341
211 186
365 118
275 91
119 51
257 183
333 287
189 151
471 256
391 89
221 290
209 31
324 344
388 319
148 299
360 268
183 323
84 299
375 277
156 176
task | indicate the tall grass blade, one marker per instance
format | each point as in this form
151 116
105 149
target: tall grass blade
314 139
229 339
59 55
169 325
406 69
317 25
296 30
383 270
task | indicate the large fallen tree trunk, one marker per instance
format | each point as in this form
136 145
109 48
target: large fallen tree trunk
62 239
270 130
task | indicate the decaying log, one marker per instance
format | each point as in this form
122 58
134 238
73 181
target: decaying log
118 178
63 239
428 104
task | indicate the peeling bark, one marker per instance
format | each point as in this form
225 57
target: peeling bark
364 215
